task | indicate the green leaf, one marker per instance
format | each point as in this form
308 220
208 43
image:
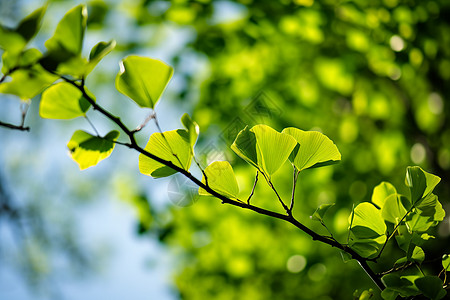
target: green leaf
29 26
381 192
367 231
27 83
431 207
320 212
69 33
23 59
417 255
420 183
400 284
393 210
446 262
174 146
431 287
221 179
273 148
316 149
88 150
11 41
63 101
192 128
417 223
389 294
97 53
143 79
245 146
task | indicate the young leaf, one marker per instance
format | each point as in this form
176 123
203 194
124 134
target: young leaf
69 33
27 83
320 212
417 255
393 210
446 262
221 179
143 79
400 284
245 146
381 192
29 26
273 148
192 128
420 183
389 294
316 149
88 150
63 101
174 146
431 287
97 53
431 207
367 231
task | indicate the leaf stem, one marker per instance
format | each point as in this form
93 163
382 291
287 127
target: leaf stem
294 184
254 186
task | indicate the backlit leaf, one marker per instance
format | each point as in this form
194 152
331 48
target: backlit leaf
316 149
63 101
29 26
420 183
393 210
446 262
143 79
221 179
245 146
174 146
381 192
88 150
97 53
191 127
320 212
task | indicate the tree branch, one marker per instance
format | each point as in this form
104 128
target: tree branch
16 127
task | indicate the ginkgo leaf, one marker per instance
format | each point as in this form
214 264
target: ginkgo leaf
320 212
221 179
381 192
192 127
63 101
69 33
420 183
245 146
446 262
174 146
263 147
143 79
99 51
88 150
29 26
393 210
273 148
315 150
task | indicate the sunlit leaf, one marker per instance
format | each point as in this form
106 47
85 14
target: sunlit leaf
23 59
27 83
221 179
417 255
320 212
11 41
400 284
273 148
63 101
393 210
431 207
420 183
367 232
143 79
69 33
446 262
88 150
174 146
389 294
381 192
192 127
245 146
431 287
417 223
316 149
99 51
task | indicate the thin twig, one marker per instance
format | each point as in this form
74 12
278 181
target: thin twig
201 169
253 189
92 125
146 120
16 127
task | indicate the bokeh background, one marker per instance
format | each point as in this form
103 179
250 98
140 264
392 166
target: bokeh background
374 76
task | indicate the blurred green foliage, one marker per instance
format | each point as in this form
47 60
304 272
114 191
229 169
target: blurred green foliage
373 76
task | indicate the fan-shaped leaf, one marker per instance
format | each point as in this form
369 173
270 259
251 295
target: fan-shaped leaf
192 128
69 33
143 79
381 192
29 26
221 179
320 212
316 149
88 150
393 210
420 183
63 101
245 146
97 53
446 262
174 146
431 287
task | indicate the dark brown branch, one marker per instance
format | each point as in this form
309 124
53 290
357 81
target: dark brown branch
15 127
253 189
